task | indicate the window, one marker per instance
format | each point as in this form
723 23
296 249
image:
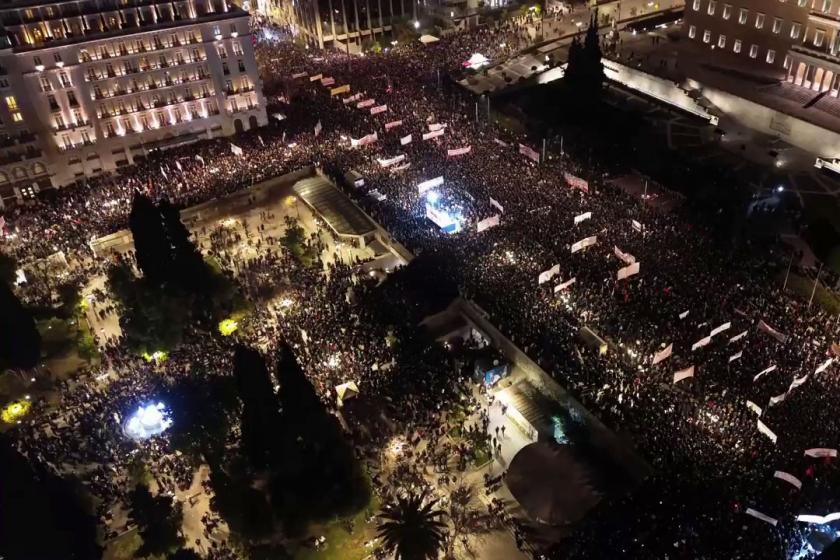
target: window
45 83
753 51
795 30
777 25
16 116
11 102
721 41
692 31
241 66
771 56
707 36
59 122
742 15
819 36
36 60
826 6
712 6
759 21
737 46
52 103
65 81
57 57
71 99
802 3
786 63
727 11
696 5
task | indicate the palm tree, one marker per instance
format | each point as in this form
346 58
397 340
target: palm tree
411 527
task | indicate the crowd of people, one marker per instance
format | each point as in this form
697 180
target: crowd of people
702 435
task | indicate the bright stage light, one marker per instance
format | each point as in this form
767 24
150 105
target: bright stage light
15 411
147 421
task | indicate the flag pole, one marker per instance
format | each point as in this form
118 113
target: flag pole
814 291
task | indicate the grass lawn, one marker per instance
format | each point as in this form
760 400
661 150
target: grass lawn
341 544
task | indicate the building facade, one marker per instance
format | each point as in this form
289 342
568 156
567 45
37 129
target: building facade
90 86
798 38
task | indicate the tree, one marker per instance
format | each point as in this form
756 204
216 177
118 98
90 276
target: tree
151 243
189 270
584 72
184 554
460 499
260 415
20 342
42 515
8 268
159 521
411 528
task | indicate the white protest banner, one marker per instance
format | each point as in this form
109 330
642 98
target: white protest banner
762 427
390 161
379 109
797 381
563 285
576 182
819 519
737 337
201 159
488 223
638 226
181 169
762 326
459 151
316 77
547 275
684 314
529 152
339 90
352 98
824 365
436 126
402 167
582 217
327 81
366 103
764 372
434 134
500 143
494 202
628 271
735 356
820 452
392 124
318 129
720 329
754 407
761 516
683 374
364 140
235 149
430 184
405 140
701 343
299 75
663 354
625 257
584 243
777 399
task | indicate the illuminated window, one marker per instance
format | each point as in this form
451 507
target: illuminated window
721 41
795 30
707 36
759 21
753 51
777 25
727 11
692 31
712 6
771 56
11 102
742 16
16 116
819 36
737 46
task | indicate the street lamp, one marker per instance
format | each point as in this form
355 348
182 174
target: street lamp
416 24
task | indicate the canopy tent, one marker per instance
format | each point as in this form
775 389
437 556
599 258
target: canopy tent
551 483
426 39
347 390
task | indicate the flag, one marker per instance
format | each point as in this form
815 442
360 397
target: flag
684 314
433 134
663 354
764 371
529 152
459 151
582 217
683 374
379 109
201 159
487 223
762 326
720 329
625 257
327 81
235 149
316 77
638 226
434 127
737 337
390 161
430 184
628 271
339 90
405 140
366 103
547 275
563 285
318 128
262 143
299 75
576 182
493 202
392 124
762 427
701 343
735 356
824 365
754 407
820 452
819 519
761 516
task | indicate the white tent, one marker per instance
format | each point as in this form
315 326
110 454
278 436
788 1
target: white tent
426 39
347 390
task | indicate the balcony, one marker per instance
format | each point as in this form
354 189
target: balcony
93 76
70 126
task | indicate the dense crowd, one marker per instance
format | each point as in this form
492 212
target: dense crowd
700 435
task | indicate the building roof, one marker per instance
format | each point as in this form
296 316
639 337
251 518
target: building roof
333 207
